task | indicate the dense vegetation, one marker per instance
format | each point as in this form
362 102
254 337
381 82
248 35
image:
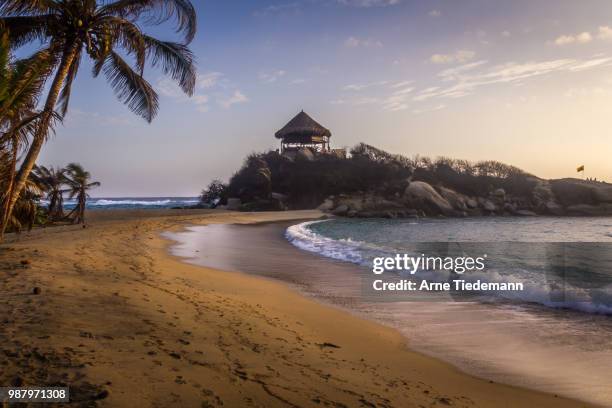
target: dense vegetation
306 180
51 184
109 34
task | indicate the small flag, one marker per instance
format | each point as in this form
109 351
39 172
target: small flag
581 168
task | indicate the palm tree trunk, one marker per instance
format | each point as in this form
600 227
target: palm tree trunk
9 190
68 57
82 203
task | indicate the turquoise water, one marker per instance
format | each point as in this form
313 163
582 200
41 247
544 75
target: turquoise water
537 340
562 262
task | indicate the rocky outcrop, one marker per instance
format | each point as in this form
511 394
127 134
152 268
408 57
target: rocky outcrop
422 199
421 195
456 200
569 192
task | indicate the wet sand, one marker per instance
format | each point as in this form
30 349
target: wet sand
126 324
556 351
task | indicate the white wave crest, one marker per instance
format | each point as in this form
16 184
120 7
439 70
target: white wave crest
536 289
304 238
108 202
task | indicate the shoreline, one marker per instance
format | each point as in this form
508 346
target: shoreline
154 330
507 350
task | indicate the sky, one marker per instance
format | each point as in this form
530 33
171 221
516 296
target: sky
524 82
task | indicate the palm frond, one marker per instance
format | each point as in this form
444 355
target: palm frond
130 87
28 80
24 29
157 11
64 97
128 35
175 59
27 7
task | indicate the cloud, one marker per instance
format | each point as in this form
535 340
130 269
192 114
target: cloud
402 84
270 77
455 72
605 33
432 109
460 56
592 63
434 13
210 87
208 80
369 3
354 42
286 8
237 98
505 33
167 87
462 81
466 79
297 81
393 97
398 100
361 87
582 38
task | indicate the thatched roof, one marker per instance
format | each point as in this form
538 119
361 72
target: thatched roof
302 125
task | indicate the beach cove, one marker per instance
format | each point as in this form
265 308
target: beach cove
127 324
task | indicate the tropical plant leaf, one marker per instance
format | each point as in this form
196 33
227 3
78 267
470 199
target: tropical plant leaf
175 59
157 11
64 97
130 87
25 29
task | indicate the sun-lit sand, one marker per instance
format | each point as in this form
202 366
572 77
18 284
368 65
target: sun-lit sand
126 324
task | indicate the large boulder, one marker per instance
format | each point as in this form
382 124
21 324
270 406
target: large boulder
326 205
341 210
553 208
471 203
499 193
602 193
571 192
422 194
305 154
488 205
455 199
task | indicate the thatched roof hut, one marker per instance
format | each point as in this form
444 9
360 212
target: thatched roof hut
304 131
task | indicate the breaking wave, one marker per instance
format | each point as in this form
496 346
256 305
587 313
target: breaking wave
540 285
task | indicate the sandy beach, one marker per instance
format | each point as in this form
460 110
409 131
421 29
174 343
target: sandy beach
108 311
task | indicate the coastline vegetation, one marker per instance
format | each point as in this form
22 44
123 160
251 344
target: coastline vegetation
51 184
306 180
370 182
68 31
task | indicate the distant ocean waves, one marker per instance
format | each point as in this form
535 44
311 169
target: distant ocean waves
570 275
104 203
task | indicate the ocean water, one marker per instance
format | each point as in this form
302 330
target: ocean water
109 203
562 262
556 336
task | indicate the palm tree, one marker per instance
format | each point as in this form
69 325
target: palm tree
79 183
21 83
52 179
100 30
26 209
